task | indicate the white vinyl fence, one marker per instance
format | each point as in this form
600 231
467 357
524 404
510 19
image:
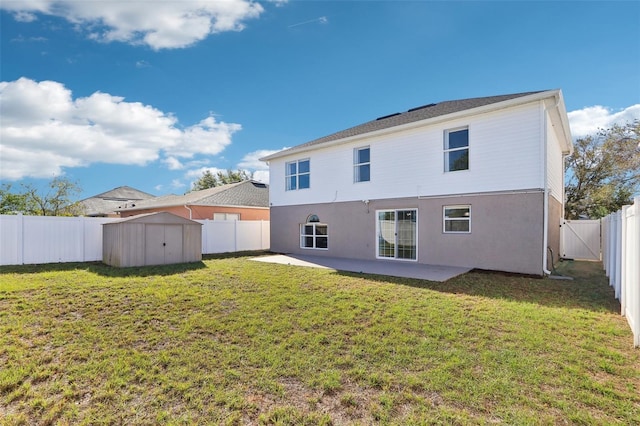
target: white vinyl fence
580 239
621 260
52 239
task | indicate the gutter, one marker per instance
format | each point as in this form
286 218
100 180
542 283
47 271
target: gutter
190 212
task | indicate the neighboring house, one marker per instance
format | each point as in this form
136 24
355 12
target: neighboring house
247 200
107 203
475 182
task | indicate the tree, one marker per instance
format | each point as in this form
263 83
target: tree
209 180
55 202
603 173
13 203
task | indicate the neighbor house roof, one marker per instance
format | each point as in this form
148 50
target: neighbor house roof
428 112
112 200
247 193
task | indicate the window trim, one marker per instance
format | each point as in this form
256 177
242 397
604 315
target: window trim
456 219
226 216
448 150
314 236
357 165
297 174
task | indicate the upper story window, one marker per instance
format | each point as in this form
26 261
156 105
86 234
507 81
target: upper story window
456 150
456 219
361 164
298 174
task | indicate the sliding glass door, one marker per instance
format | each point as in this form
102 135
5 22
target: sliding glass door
396 232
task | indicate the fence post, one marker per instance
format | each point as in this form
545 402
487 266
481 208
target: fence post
605 243
634 270
623 259
20 234
235 235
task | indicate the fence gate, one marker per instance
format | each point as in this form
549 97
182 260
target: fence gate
580 239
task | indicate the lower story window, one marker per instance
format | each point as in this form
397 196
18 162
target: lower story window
457 219
314 236
226 216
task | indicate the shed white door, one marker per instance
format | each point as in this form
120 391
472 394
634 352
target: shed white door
581 239
163 244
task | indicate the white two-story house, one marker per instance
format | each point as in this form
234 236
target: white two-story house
474 182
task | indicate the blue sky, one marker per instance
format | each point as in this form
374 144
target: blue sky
149 94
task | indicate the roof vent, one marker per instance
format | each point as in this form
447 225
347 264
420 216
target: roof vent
421 107
387 116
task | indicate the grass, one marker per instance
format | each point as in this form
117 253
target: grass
232 341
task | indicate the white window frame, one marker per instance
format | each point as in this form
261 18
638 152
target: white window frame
297 174
357 165
446 219
397 237
225 216
314 236
447 150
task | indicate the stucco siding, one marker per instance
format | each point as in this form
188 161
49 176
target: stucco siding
506 230
504 154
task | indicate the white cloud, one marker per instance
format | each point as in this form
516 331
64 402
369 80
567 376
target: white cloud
43 129
588 120
157 24
252 160
261 176
173 163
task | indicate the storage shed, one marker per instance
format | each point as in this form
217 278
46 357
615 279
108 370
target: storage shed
151 239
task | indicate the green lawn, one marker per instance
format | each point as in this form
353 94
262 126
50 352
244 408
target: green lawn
233 341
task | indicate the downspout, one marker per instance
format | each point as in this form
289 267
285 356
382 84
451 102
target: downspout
190 212
545 219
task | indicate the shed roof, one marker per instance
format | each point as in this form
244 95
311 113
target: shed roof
156 218
247 193
413 115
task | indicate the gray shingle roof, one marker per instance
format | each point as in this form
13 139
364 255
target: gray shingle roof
110 201
247 193
415 114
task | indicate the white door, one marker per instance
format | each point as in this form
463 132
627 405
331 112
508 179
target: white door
581 239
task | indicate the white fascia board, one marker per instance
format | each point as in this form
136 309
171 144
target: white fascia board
566 129
556 94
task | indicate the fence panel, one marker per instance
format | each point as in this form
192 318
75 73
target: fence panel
222 236
47 239
581 239
621 261
11 240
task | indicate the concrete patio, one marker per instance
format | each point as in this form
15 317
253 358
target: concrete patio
392 268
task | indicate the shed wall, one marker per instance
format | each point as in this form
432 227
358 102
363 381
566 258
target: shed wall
131 243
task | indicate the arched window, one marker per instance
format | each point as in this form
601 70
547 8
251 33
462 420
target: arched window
313 234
